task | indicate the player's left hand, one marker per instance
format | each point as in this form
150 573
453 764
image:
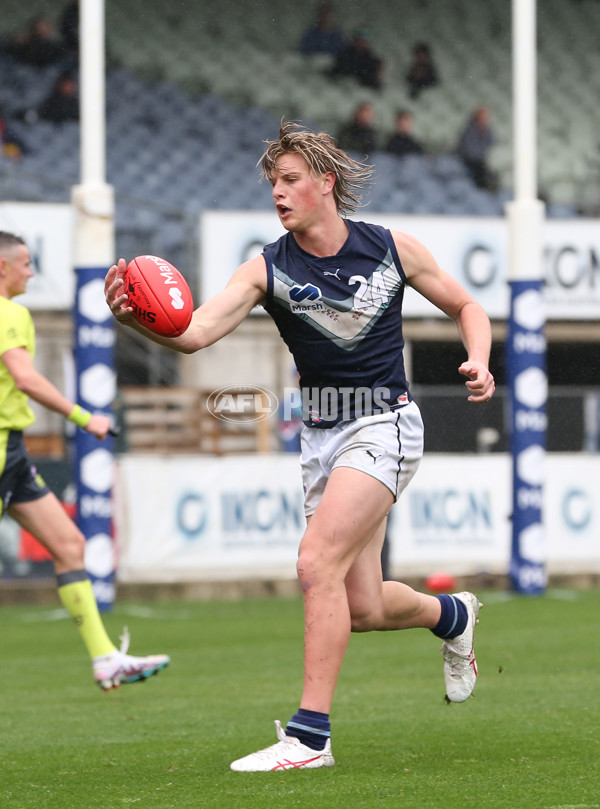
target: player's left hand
480 384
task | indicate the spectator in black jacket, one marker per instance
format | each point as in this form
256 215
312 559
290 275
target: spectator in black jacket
63 102
358 61
36 46
402 142
358 135
422 72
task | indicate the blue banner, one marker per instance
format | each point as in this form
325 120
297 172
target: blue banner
528 392
94 341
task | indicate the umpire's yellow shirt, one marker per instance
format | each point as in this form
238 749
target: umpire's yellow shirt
16 331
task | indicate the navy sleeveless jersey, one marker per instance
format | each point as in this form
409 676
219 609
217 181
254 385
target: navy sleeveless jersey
341 318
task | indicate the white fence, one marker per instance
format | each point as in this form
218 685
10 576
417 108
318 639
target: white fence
240 517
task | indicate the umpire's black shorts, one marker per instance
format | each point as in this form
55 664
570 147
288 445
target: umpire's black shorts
20 481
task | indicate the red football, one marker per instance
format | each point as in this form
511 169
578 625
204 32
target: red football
440 583
159 296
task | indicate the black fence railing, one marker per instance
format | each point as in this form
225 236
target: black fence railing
452 424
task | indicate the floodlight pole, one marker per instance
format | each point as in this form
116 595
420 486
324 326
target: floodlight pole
526 342
94 249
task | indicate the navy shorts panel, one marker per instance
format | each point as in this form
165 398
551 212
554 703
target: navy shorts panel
20 481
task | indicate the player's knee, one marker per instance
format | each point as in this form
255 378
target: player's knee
70 550
314 568
307 571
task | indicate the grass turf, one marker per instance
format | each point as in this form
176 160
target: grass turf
529 738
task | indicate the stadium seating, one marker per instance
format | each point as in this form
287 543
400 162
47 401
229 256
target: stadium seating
233 54
189 106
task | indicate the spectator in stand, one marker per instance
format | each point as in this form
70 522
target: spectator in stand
473 145
422 72
36 46
358 134
63 102
11 146
323 36
402 142
358 61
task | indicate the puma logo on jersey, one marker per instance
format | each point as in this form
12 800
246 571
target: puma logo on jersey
334 274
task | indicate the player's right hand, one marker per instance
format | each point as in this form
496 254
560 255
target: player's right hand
115 293
480 382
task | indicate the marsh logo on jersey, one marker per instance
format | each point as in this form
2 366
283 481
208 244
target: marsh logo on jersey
309 292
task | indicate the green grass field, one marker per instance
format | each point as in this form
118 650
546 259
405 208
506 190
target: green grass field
529 738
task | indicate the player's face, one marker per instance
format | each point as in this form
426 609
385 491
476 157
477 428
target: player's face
297 193
17 269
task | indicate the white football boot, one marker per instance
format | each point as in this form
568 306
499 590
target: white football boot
287 754
119 667
460 665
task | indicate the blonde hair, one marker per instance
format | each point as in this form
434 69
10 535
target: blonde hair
322 155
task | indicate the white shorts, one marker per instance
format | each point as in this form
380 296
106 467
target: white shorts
388 446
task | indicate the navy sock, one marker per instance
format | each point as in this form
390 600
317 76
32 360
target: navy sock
311 727
453 620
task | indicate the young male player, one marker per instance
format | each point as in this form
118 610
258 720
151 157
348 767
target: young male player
334 288
23 493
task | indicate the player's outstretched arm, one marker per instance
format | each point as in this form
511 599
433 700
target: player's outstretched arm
211 321
424 275
37 387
